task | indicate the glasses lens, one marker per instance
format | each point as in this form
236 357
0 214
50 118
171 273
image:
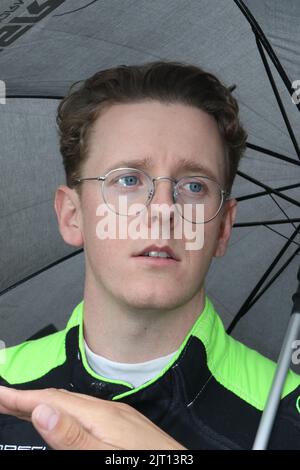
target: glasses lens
192 192
126 191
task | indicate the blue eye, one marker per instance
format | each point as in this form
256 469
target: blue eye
194 187
130 180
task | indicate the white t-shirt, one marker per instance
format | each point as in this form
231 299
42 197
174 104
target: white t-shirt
134 374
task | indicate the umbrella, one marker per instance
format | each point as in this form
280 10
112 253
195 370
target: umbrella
45 46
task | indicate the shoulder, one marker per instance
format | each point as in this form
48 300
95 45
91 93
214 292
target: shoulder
32 359
249 374
240 369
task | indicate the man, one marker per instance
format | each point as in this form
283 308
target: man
160 135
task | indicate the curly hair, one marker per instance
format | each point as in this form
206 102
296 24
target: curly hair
167 82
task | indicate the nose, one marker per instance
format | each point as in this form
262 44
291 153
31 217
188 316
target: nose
163 193
161 208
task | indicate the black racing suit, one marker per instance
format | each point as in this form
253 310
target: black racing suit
209 396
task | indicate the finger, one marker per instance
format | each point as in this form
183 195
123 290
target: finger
6 411
81 395
64 432
13 401
21 403
25 400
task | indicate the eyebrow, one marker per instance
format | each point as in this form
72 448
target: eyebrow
181 164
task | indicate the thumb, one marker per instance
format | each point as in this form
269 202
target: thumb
64 432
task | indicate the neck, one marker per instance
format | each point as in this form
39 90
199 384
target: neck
121 333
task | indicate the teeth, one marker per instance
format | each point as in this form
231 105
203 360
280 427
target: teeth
157 254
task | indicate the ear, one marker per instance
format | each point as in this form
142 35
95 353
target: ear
68 210
228 219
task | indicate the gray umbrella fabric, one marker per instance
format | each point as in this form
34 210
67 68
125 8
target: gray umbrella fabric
46 46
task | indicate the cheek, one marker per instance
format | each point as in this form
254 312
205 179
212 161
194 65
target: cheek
103 258
102 246
201 239
200 259
89 218
216 245
211 237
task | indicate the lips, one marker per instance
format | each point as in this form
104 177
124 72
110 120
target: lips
165 248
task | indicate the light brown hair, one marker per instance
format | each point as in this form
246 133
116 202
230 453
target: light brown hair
167 82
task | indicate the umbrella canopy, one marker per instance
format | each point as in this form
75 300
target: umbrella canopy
45 46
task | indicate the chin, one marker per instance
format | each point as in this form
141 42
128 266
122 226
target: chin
153 299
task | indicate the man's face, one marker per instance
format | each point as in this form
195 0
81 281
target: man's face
165 134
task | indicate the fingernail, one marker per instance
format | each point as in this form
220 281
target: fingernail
46 417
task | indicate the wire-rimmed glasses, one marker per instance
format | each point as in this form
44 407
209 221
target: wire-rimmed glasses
139 188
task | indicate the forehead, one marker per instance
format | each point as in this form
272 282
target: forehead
156 136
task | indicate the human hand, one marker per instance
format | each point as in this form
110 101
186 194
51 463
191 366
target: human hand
72 421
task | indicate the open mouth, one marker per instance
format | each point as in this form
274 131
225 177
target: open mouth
163 255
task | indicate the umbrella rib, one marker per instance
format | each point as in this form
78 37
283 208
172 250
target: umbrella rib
264 193
266 222
245 307
277 96
40 97
268 188
49 266
262 40
272 153
259 32
273 279
281 234
282 210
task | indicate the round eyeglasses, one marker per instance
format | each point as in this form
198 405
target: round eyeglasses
137 187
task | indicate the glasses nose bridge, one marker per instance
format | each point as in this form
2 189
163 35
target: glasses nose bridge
160 178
